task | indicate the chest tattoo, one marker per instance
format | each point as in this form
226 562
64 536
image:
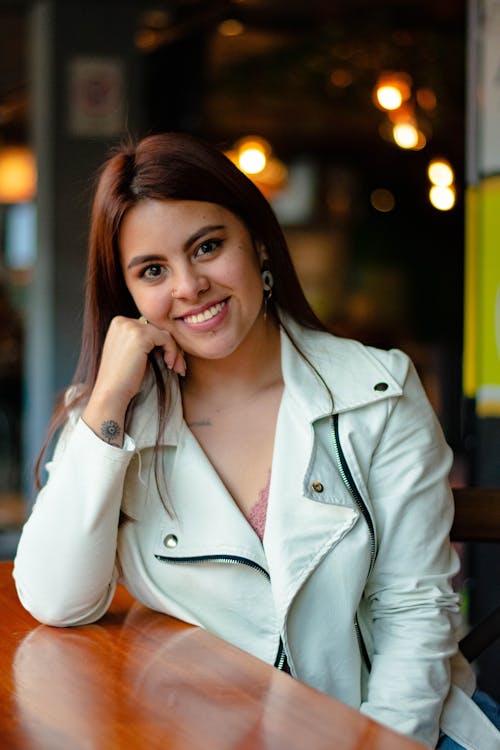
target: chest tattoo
201 423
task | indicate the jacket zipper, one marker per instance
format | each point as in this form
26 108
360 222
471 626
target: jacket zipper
280 656
231 560
349 482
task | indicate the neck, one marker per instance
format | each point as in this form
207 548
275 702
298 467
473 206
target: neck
255 364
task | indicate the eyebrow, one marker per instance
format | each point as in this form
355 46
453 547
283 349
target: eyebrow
200 233
138 260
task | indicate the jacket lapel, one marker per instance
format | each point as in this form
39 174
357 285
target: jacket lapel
302 524
310 509
207 521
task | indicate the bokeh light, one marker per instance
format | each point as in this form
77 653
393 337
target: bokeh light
441 197
382 200
405 134
440 173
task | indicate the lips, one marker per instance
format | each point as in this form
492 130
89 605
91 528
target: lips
205 315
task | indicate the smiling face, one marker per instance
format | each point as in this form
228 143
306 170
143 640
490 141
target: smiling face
192 269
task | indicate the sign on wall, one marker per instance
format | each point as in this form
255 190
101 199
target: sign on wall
96 97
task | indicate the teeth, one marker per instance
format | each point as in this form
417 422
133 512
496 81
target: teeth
201 317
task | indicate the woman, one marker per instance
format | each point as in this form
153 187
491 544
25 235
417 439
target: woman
238 467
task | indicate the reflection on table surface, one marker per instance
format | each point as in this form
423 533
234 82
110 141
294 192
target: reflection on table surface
140 679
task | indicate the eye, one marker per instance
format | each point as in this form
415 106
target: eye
207 247
153 271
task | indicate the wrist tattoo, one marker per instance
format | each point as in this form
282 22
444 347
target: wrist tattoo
110 430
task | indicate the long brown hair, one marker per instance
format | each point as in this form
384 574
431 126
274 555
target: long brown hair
167 166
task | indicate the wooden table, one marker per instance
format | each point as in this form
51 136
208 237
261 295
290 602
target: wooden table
139 679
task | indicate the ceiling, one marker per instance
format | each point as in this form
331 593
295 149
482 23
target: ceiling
274 77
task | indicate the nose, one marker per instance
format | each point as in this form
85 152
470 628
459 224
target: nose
189 283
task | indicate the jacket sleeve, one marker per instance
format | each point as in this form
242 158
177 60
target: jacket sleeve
411 610
65 569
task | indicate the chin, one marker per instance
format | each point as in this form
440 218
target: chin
219 350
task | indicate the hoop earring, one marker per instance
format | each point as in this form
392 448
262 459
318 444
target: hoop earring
267 284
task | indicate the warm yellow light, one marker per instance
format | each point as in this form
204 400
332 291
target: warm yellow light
17 174
392 89
405 134
252 160
440 173
252 154
442 197
389 97
231 27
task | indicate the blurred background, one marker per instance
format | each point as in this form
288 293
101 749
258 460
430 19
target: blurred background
370 127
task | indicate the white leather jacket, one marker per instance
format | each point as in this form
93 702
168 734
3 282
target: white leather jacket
352 580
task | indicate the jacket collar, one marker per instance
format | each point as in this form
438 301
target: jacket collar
350 371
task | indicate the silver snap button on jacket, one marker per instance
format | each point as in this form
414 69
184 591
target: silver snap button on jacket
170 541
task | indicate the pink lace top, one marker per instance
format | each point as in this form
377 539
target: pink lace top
257 516
257 520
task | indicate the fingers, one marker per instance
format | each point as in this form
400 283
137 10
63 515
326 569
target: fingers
172 353
179 363
124 358
147 336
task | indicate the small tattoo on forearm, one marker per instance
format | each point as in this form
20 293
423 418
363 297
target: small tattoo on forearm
110 430
201 423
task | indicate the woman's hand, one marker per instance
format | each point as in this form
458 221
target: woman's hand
123 365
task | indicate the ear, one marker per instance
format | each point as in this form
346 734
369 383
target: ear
261 251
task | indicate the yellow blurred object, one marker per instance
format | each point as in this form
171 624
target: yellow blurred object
481 371
17 174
